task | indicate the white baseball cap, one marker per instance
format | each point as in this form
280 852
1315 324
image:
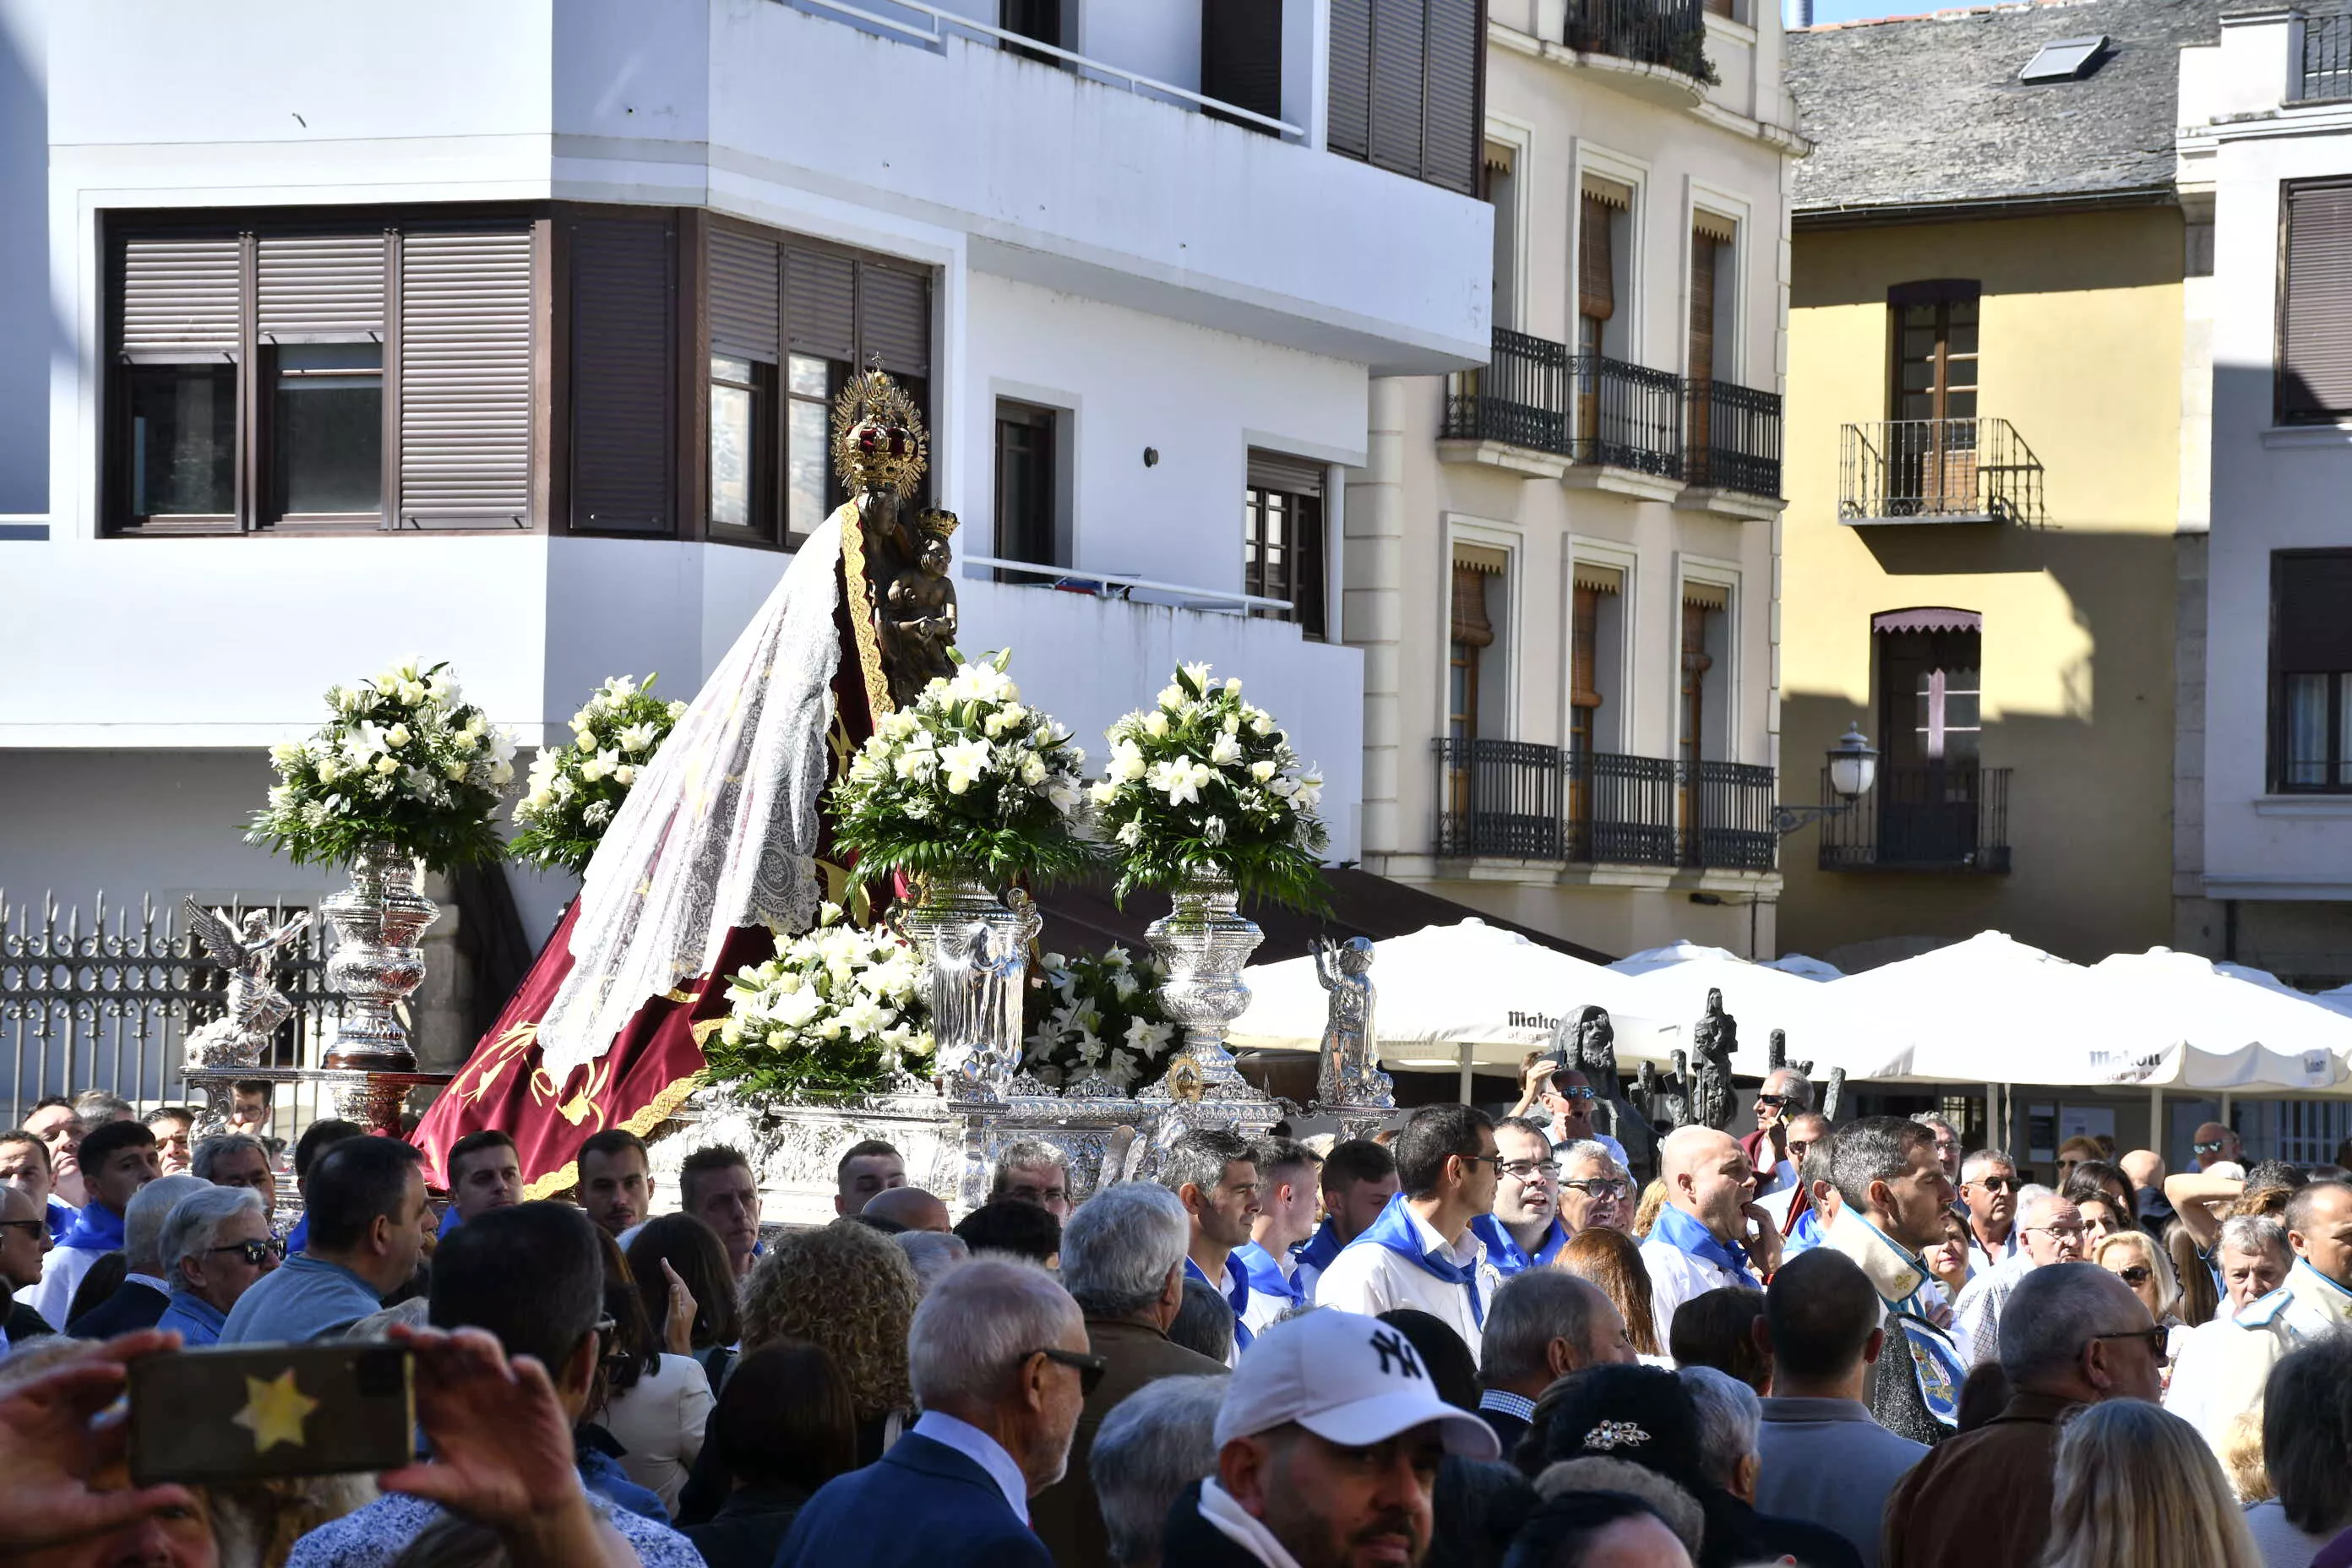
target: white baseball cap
1346 1378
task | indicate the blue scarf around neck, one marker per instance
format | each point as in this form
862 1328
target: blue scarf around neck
1504 1251
1396 1230
96 1229
1237 1298
1685 1234
1321 1247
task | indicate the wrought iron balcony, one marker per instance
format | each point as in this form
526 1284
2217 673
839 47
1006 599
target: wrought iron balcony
1627 415
1514 799
1937 470
1672 34
1733 438
2326 57
1589 409
1922 817
1518 397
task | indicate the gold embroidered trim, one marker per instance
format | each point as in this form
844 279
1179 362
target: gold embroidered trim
854 588
656 1111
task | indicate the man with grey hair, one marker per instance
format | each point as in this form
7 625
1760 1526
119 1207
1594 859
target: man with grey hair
236 1160
1123 1261
1784 1095
1593 1188
1891 1199
215 1244
1947 1145
1035 1172
1161 1439
1213 1172
932 1252
2073 1335
144 1292
2051 1231
1541 1326
1731 1428
998 1359
2224 1364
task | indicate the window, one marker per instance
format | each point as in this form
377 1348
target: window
347 409
1241 59
2311 670
1282 534
1502 193
1407 87
1604 224
1028 520
1700 729
2315 375
1932 453
1595 662
1037 19
1930 720
1475 685
1713 287
789 320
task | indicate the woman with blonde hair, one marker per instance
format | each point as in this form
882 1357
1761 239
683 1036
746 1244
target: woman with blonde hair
2138 1488
849 1290
1654 1198
1612 1261
2133 1257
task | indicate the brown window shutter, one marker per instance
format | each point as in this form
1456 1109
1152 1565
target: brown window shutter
465 326
1471 625
746 297
1596 281
1281 471
2311 611
1452 135
894 318
325 288
1701 307
821 303
1349 125
2315 329
624 375
1241 55
181 293
1398 70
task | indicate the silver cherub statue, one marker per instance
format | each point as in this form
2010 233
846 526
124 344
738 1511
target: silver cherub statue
1350 1068
255 1006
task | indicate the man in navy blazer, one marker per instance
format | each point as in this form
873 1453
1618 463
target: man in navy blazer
997 1354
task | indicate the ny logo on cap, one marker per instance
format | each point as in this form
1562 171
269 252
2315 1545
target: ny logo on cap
1393 1346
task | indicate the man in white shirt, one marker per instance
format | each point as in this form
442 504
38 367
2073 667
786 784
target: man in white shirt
2051 1232
1421 1252
1989 1186
1710 1227
1212 1172
1287 1201
2222 1368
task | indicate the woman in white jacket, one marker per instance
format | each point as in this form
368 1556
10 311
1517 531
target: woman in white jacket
656 1403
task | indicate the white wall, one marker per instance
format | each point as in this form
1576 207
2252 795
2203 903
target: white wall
1199 397
2273 489
28 328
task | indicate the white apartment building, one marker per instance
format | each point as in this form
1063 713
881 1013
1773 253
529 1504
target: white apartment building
1561 566
2264 858
505 334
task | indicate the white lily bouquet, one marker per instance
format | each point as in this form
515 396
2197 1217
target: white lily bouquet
574 791
404 760
1205 785
968 782
838 1011
1097 1013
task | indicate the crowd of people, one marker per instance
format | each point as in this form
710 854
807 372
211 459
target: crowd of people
1472 1341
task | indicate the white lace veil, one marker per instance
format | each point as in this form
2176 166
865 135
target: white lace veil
721 829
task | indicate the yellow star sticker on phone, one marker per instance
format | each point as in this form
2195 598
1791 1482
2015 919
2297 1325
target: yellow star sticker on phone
274 1411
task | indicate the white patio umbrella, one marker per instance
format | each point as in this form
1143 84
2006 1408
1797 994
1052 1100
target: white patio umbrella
1820 1025
1446 987
2176 1020
1987 1010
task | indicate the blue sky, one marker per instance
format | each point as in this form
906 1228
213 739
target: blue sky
1854 10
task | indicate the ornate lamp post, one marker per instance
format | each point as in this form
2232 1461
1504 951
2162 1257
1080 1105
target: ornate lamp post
1854 768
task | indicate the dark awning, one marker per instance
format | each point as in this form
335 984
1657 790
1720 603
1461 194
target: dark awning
1929 620
1081 917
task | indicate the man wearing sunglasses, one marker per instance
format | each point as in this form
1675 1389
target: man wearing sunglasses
1567 1097
24 1237
1988 1187
2215 1145
1785 1095
997 1355
215 1244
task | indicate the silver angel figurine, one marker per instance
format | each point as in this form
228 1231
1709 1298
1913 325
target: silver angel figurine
1351 1071
256 1007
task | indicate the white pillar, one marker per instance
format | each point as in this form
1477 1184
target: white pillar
1372 602
1465 1071
2156 1118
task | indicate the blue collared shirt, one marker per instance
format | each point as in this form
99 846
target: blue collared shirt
198 1321
304 1298
981 1450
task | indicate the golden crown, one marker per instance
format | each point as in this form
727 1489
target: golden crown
934 521
877 435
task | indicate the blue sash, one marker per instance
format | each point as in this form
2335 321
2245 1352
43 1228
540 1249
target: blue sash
1264 1275
1936 1364
1503 1248
1238 1299
1321 1247
1396 1231
96 1229
1684 1234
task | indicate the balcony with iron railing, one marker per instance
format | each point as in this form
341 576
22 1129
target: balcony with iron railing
1518 801
1535 396
2326 62
1937 470
1922 817
1668 33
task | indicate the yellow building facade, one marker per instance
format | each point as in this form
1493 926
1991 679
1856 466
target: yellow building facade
1984 479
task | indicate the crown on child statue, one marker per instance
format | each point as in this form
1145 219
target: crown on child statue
877 435
935 522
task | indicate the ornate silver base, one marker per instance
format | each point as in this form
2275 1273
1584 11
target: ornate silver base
1203 943
376 961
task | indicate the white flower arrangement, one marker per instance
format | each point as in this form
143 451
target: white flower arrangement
1097 1013
575 791
1205 785
838 1011
404 759
969 782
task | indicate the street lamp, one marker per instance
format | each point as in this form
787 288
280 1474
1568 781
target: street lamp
1854 768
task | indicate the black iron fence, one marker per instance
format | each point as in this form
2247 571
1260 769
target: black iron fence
1514 799
1734 435
1519 396
1670 33
103 997
1627 415
1922 817
2326 57
1953 470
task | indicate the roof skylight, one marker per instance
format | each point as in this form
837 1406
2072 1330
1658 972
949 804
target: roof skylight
2063 59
